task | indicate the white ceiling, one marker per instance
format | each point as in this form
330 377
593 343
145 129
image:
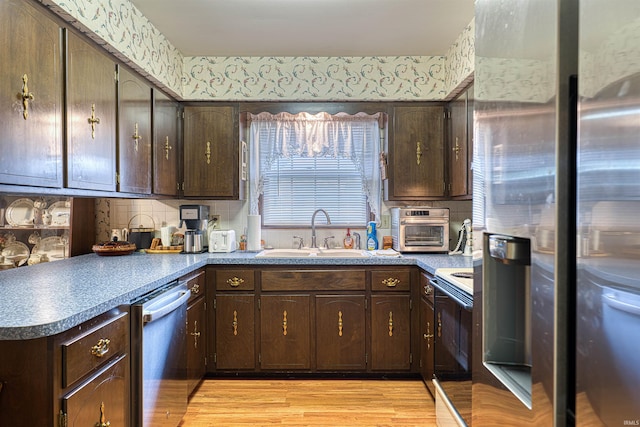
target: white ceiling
309 27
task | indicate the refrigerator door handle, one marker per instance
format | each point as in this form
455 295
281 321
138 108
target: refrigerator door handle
611 300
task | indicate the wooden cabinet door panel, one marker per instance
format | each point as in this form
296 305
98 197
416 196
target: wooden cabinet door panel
235 332
134 139
340 332
91 117
285 332
416 153
31 130
105 398
196 343
458 163
390 332
166 145
211 150
427 349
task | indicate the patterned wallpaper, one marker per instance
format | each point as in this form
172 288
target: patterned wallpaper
460 61
314 78
122 29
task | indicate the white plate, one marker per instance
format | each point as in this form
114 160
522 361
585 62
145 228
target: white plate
50 246
60 213
16 252
20 213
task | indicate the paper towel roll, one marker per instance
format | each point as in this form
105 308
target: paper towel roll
253 233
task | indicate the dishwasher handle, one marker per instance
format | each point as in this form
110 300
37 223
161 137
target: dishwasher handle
167 304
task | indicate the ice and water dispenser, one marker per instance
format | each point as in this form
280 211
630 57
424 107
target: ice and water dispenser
507 312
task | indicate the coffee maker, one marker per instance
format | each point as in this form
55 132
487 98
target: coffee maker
196 220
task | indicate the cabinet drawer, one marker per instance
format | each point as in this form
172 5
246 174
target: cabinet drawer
84 353
238 280
102 400
313 280
196 284
390 280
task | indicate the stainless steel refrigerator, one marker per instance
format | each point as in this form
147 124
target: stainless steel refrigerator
557 213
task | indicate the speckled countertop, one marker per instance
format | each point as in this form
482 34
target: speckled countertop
46 299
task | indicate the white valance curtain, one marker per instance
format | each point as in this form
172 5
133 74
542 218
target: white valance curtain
356 137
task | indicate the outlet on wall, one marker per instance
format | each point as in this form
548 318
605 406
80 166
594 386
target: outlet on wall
215 220
385 221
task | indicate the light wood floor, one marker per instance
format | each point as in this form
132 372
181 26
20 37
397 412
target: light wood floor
333 402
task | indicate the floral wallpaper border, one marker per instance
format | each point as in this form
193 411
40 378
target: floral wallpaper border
122 29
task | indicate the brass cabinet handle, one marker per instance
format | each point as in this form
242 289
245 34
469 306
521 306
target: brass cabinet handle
207 152
339 323
439 326
136 137
391 323
428 289
391 282
418 152
103 422
26 97
284 322
234 282
195 334
456 149
428 335
93 121
235 322
195 289
101 348
167 147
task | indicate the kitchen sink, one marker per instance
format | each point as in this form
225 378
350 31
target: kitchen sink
312 252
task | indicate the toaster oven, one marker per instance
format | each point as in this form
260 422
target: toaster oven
416 229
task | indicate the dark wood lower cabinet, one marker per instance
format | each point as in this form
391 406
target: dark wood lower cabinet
74 378
340 332
391 332
196 343
285 336
100 401
312 320
235 332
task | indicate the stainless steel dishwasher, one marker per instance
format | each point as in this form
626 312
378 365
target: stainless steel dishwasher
158 347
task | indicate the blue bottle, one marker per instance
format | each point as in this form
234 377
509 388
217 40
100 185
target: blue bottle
372 238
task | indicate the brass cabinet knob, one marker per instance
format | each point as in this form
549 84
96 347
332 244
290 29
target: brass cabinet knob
101 348
234 282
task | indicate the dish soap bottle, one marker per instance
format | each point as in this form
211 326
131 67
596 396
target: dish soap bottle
348 241
372 238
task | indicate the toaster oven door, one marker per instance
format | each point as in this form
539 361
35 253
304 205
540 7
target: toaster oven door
424 236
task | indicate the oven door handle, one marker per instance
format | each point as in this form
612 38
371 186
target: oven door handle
460 302
170 303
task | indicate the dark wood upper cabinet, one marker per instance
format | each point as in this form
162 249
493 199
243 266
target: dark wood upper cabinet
91 117
211 149
416 153
31 102
134 133
461 145
166 145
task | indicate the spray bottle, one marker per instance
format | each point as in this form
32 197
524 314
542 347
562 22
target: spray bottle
372 238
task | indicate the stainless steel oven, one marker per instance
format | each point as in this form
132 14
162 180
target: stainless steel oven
452 371
420 229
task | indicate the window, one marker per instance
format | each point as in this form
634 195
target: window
302 163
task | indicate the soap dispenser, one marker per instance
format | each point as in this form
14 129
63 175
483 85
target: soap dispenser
348 241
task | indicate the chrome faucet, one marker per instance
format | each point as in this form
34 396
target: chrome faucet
357 245
314 244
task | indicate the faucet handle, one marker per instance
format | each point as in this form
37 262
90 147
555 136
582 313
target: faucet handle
326 241
300 242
